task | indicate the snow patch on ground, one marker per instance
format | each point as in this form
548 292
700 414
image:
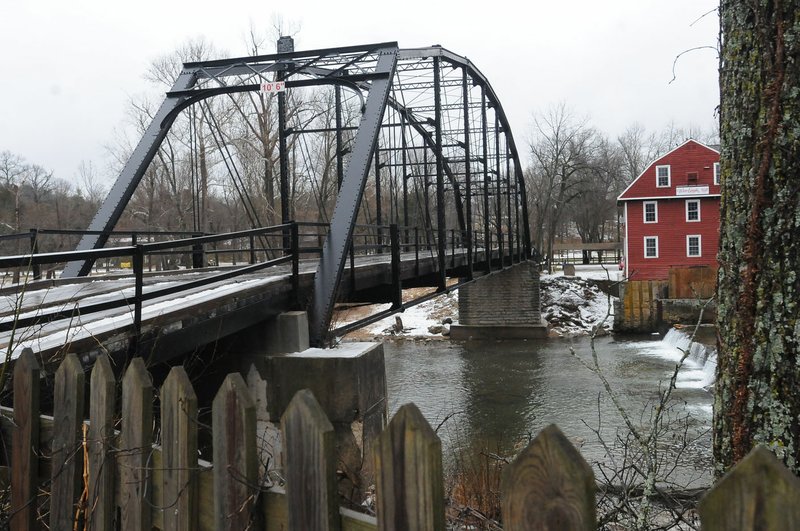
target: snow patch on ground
573 306
425 320
592 271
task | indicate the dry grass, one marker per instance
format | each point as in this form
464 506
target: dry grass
473 487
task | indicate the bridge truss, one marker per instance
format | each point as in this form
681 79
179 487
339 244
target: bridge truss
430 127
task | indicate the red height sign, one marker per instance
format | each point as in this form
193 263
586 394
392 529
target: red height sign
273 86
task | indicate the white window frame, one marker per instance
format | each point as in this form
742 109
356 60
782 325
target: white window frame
688 202
699 245
655 238
716 173
669 176
644 211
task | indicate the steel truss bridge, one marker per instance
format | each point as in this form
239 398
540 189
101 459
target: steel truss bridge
431 130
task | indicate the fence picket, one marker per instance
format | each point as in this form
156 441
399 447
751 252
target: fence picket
67 442
408 472
548 486
310 444
233 417
25 445
759 493
135 447
102 405
179 451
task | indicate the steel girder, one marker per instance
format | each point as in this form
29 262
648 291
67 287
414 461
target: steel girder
337 242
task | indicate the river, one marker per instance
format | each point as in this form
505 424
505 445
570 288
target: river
495 394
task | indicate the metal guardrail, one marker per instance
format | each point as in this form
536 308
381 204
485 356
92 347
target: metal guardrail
373 237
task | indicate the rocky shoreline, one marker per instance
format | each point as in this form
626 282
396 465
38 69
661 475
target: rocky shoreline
572 306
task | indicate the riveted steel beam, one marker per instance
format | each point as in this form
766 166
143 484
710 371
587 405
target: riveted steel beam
337 242
122 191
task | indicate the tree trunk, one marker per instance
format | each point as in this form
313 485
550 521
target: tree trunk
758 376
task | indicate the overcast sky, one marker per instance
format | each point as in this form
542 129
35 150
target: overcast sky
70 68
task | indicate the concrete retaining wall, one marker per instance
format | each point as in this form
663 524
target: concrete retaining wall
510 297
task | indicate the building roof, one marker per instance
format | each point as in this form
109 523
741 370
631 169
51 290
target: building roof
691 156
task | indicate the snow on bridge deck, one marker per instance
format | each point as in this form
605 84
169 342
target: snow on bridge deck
100 330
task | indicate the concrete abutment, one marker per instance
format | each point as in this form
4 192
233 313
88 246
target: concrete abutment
503 305
348 381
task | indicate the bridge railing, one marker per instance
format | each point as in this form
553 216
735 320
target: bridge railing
263 247
53 240
137 254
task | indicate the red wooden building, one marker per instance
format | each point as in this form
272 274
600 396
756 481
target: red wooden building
672 213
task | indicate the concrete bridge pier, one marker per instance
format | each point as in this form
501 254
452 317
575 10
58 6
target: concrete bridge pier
503 305
348 381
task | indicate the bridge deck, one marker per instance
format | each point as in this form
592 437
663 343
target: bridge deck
200 313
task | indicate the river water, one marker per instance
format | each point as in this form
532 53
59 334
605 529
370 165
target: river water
496 394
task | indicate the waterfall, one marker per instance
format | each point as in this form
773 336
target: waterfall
700 367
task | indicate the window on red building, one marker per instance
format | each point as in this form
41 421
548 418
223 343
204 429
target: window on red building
692 210
662 176
693 245
650 212
651 246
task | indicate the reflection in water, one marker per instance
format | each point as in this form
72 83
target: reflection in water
499 392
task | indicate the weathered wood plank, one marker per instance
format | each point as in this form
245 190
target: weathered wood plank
179 451
759 493
102 405
135 446
310 444
548 486
25 443
233 418
275 511
408 474
67 456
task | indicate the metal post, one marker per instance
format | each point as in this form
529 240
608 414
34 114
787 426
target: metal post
36 269
467 169
283 150
508 207
138 273
405 171
295 249
378 210
198 258
487 234
440 219
498 200
416 251
516 219
452 247
352 266
397 290
425 185
252 249
339 155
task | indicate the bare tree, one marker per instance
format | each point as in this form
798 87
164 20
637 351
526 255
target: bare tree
638 150
560 150
597 192
89 184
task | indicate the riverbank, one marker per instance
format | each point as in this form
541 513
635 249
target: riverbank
572 306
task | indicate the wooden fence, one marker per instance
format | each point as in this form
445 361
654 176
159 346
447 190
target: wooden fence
96 476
